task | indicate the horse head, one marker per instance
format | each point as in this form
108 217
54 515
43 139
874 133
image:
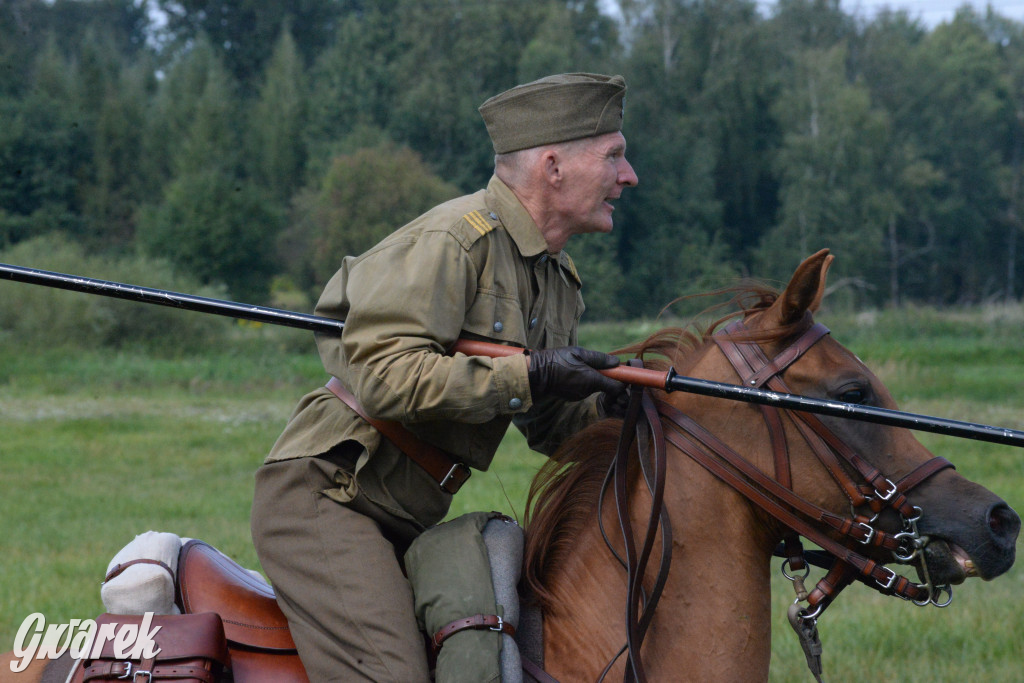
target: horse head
965 530
738 479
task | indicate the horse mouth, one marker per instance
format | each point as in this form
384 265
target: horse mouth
956 554
964 561
948 563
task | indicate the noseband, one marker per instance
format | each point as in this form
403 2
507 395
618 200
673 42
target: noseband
840 536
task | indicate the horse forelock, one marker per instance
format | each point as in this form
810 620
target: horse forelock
564 494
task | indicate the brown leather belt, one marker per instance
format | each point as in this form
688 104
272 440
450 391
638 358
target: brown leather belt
477 622
446 471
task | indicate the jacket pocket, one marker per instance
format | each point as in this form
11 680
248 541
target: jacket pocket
496 316
555 336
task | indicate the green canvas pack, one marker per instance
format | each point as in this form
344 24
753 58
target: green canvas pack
450 572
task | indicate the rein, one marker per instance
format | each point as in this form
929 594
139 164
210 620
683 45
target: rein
863 484
650 439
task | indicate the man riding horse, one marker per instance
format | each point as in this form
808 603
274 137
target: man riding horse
337 503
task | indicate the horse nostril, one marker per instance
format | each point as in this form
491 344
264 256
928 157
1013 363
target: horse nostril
1004 523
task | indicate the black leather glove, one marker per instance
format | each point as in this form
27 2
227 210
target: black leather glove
615 404
571 373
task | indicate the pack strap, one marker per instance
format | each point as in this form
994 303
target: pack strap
449 473
116 570
477 622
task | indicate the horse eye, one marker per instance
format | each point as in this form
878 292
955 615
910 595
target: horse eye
853 396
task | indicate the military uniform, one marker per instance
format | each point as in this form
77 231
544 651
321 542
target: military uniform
335 502
474 267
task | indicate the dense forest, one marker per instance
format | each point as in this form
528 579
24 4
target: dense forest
250 144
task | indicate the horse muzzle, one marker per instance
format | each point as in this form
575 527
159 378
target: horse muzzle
985 549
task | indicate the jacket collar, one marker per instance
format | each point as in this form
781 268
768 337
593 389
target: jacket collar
516 219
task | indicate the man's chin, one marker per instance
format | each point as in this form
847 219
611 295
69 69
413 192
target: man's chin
604 228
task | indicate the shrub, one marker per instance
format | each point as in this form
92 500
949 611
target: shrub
33 315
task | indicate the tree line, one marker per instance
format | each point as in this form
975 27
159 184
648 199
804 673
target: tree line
252 144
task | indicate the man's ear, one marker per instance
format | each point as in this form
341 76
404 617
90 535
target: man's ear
551 163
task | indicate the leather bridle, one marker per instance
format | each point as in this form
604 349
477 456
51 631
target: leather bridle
839 535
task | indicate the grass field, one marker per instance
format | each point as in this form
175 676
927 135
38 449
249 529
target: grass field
96 447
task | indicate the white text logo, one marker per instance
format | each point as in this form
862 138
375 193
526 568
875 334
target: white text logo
82 638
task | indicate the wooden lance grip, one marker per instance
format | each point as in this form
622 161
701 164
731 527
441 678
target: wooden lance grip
624 373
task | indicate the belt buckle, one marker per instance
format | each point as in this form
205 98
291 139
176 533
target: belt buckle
131 673
456 477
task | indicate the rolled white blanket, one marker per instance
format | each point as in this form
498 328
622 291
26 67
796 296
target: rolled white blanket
143 586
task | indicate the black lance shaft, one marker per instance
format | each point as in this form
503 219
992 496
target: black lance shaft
669 381
161 297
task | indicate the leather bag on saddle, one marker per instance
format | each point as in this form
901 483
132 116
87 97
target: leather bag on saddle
185 648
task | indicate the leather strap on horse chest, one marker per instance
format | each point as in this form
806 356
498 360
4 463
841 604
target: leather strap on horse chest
446 471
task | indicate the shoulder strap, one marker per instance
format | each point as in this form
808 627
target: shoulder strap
446 471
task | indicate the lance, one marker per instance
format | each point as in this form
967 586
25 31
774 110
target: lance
668 381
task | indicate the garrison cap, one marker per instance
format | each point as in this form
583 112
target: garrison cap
554 109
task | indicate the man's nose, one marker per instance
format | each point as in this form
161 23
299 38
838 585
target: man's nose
627 176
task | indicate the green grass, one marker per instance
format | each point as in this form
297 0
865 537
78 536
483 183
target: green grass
96 447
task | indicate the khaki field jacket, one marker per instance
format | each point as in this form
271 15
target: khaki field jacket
474 267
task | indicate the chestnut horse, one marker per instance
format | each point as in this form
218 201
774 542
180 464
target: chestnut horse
712 622
868 494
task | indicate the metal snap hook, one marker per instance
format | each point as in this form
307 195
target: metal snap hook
910 553
785 565
916 519
812 617
948 589
926 601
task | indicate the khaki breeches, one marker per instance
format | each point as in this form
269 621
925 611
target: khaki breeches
337 578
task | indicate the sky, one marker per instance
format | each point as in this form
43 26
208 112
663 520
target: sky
934 12
930 12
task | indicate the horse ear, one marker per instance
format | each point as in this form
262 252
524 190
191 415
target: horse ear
805 289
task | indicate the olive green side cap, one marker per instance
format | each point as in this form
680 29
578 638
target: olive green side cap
554 109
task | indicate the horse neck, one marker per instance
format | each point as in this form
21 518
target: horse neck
713 619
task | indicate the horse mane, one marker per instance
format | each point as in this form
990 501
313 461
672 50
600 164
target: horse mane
565 492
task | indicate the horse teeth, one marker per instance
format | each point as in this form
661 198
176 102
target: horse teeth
964 560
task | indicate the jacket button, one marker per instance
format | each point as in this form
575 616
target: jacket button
515 404
533 323
498 327
493 216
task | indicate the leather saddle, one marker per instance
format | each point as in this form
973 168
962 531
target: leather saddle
259 643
